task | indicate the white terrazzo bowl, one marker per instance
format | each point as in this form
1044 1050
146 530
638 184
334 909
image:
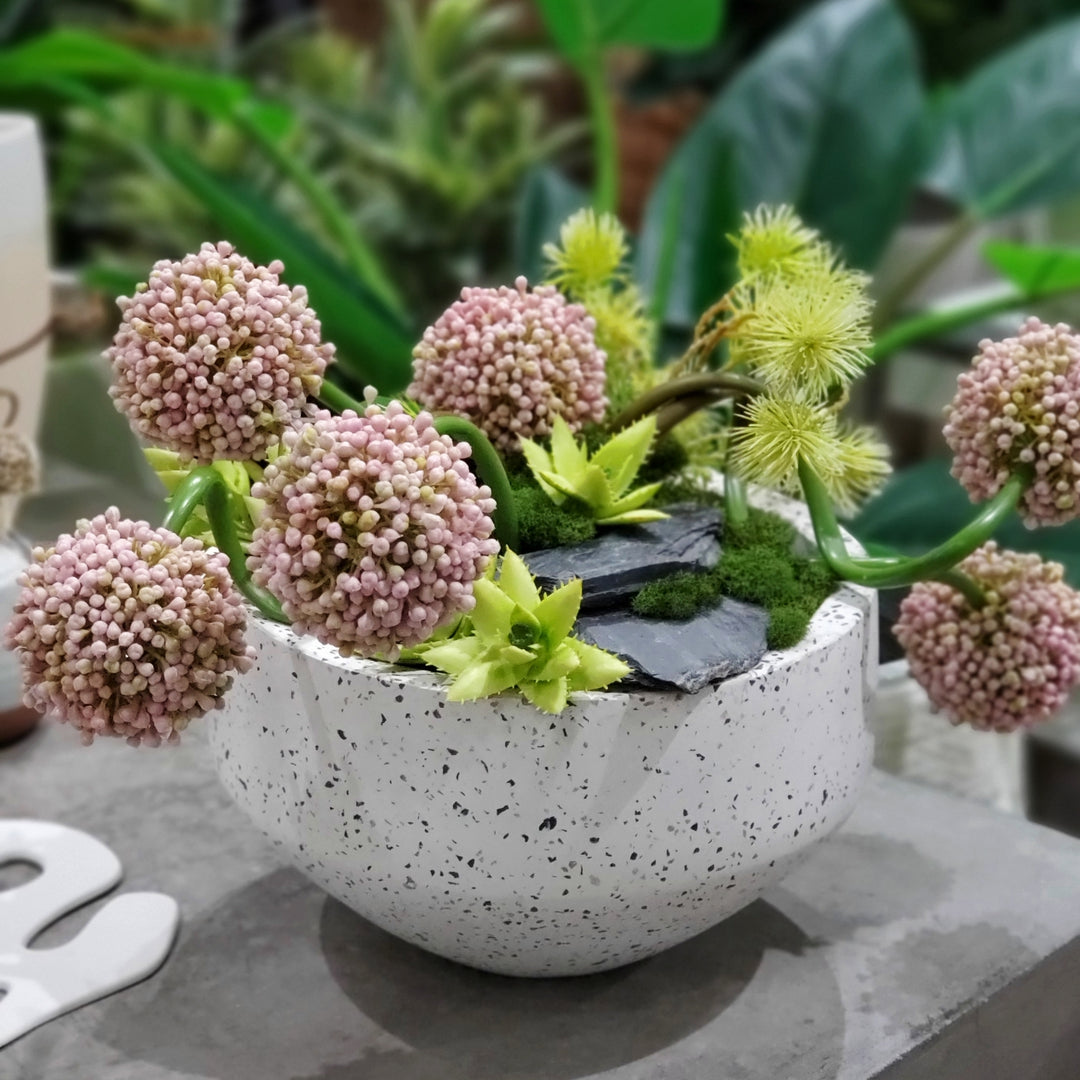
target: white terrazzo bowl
526 844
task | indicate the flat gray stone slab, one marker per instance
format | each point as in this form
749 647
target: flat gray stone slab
615 565
929 939
724 640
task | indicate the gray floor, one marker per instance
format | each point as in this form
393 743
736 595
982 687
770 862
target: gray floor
929 938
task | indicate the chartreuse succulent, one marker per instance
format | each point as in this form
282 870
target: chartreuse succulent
521 640
601 481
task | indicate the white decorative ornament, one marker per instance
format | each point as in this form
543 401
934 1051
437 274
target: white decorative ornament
124 942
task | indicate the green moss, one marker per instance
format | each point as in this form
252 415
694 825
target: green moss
761 529
757 565
542 524
679 596
787 626
759 575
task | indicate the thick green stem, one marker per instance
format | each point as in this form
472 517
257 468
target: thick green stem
605 142
896 571
709 386
489 469
206 486
337 400
958 580
934 323
736 505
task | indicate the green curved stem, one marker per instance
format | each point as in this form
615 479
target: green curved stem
206 486
963 584
938 321
337 400
489 470
951 238
894 571
708 386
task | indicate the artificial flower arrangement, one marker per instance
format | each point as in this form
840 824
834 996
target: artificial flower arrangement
444 527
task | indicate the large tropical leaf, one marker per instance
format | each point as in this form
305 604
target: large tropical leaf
1009 138
828 118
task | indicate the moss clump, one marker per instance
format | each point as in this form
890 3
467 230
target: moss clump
758 566
680 596
760 530
787 626
758 574
542 524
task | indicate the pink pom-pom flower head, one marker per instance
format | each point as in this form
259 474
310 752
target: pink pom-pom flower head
1019 408
1007 664
215 356
374 529
510 360
125 630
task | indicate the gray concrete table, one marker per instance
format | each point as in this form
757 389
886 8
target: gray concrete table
928 939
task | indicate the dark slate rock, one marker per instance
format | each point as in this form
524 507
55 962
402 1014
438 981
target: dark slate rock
725 640
620 560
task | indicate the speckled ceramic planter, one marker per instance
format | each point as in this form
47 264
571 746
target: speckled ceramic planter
526 844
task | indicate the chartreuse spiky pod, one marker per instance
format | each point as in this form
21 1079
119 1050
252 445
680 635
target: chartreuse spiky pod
521 640
600 481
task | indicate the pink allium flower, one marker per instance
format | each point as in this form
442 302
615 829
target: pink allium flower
127 630
509 359
215 355
1006 665
374 529
1020 406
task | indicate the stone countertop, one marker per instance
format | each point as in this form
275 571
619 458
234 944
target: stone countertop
930 938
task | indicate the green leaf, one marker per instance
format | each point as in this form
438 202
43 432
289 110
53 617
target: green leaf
1035 269
452 657
539 462
1009 138
516 581
637 498
547 200
597 667
633 517
558 611
69 53
493 614
561 662
481 680
548 696
828 118
568 459
583 27
560 484
594 488
625 452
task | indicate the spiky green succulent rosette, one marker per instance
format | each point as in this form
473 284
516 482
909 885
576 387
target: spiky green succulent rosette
516 638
